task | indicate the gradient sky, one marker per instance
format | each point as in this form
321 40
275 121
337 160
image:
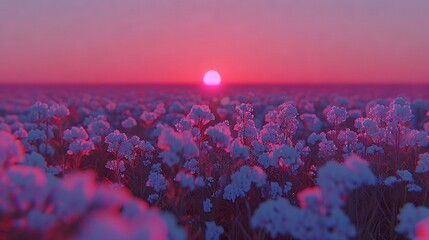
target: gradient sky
247 41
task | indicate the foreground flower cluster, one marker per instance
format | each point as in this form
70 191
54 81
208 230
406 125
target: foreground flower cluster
171 167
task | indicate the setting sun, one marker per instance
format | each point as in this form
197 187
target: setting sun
212 78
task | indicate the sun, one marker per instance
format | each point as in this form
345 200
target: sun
212 78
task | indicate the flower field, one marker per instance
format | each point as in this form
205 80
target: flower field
160 162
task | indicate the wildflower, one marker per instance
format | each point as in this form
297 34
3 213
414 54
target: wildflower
58 111
98 127
241 182
73 196
119 144
390 181
349 139
148 117
275 190
327 149
207 205
422 229
336 180
11 150
112 165
265 161
21 133
200 115
34 159
378 113
336 115
313 199
156 180
277 217
75 133
220 134
373 149
287 188
415 138
405 176
22 188
412 187
408 217
399 112
423 163
36 135
130 122
238 150
269 133
213 231
187 180
284 155
39 112
245 125
80 146
176 145
286 118
314 138
191 165
78 139
114 140
311 122
184 125
39 220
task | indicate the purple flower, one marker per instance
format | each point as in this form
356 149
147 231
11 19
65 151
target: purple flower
148 117
156 180
408 217
112 165
241 182
207 205
213 231
80 146
276 217
39 111
286 118
269 132
336 115
423 163
284 155
98 126
220 134
189 181
119 144
75 133
36 135
58 111
11 150
130 122
311 122
399 112
176 145
245 125
200 115
405 176
327 149
378 113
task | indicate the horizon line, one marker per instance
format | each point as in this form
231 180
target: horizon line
201 84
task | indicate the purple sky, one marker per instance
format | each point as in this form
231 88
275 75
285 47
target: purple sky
247 41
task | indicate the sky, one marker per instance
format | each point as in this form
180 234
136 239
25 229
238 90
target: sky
246 41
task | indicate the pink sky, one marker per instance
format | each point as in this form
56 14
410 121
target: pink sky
247 41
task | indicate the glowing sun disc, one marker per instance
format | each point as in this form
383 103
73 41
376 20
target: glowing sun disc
212 78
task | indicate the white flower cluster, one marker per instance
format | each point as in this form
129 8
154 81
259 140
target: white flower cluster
408 217
42 204
320 215
242 180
